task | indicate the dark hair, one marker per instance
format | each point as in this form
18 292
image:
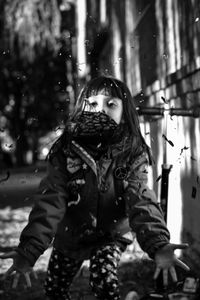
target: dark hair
111 86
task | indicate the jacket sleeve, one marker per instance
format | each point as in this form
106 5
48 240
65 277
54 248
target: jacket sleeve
48 211
145 216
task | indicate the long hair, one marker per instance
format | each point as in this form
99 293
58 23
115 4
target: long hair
111 86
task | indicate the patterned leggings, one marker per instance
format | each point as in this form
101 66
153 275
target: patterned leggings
103 274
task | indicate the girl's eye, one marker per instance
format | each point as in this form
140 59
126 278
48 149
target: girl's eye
90 105
111 103
93 104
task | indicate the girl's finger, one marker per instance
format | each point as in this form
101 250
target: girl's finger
157 272
10 254
9 272
173 274
34 274
182 265
15 280
28 280
165 277
179 246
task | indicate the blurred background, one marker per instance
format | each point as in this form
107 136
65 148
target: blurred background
50 48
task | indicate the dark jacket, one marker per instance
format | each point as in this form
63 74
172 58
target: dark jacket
82 204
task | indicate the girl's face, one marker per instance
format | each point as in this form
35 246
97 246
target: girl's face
113 107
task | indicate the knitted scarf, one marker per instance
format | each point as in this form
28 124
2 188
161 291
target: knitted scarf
95 131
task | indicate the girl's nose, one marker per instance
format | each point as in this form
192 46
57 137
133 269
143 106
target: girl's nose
104 108
101 107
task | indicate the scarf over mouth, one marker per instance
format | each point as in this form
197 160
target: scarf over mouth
95 128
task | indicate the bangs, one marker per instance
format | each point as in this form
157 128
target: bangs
104 86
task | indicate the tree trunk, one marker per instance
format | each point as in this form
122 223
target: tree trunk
19 129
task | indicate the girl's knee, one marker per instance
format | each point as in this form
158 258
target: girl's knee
104 293
105 287
103 272
56 294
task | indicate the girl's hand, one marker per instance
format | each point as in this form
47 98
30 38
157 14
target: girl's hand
166 261
20 266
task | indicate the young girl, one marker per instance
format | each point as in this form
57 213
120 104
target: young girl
95 191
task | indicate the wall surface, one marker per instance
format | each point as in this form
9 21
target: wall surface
154 45
177 85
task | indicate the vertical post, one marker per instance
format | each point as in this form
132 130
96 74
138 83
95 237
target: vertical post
164 188
165 168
